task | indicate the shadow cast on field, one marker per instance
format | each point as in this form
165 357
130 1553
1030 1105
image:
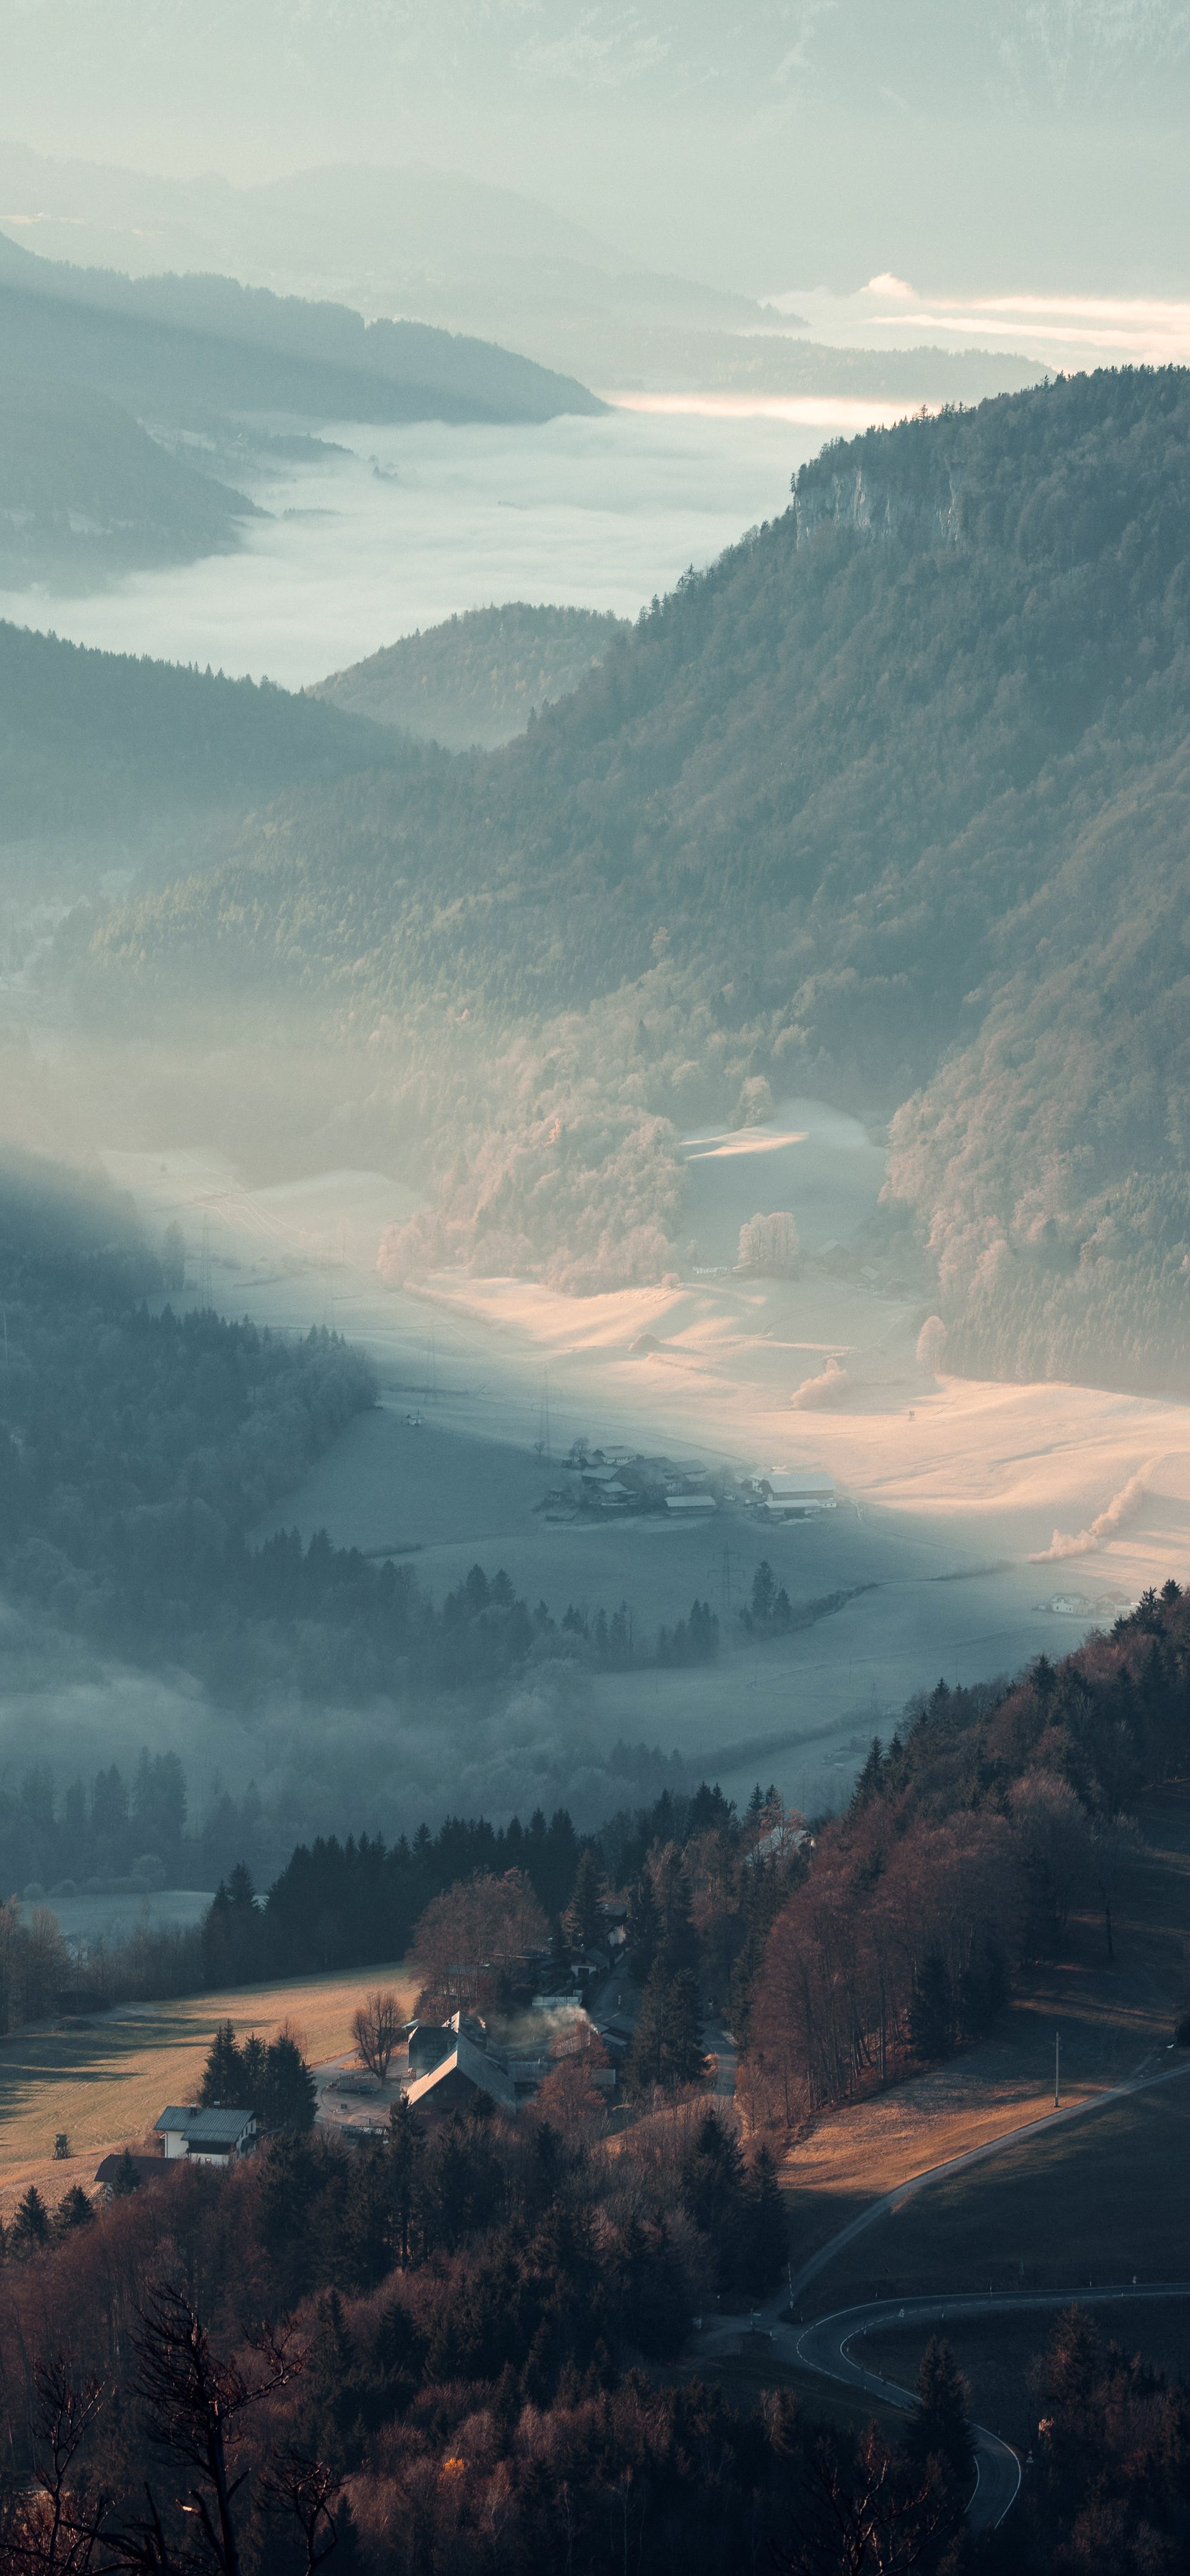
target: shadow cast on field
103 2053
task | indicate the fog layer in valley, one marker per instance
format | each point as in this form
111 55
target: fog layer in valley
397 529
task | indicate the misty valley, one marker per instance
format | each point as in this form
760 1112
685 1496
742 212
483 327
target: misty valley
594 1402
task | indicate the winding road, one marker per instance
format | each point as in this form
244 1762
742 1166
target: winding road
824 2345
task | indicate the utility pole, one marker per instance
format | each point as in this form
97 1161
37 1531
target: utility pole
725 1575
1057 2069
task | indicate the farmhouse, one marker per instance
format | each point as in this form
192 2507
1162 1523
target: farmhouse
458 2063
793 1493
206 2137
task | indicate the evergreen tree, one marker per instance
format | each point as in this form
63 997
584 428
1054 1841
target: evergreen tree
931 2009
125 2179
582 1920
649 2287
254 2058
940 2426
223 2080
871 1778
985 1988
331 2391
405 2143
713 2193
765 2230
643 1928
30 2228
667 2042
678 1938
74 2210
764 1594
290 2095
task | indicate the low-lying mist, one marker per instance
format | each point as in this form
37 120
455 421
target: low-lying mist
396 529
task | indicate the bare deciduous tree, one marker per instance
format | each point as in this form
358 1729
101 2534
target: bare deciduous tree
863 2510
306 2490
375 2029
466 1936
195 2405
49 2526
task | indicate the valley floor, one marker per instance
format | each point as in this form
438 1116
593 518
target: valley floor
968 1508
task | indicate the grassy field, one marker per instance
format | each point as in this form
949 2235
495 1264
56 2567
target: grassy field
104 2082
1101 2200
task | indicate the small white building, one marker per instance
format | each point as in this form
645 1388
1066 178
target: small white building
206 2137
699 1502
791 1493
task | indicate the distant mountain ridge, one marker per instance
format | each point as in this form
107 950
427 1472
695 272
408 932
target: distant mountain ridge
95 360
187 347
891 805
86 494
467 257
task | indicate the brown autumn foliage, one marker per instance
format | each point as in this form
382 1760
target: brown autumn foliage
969 1842
468 1935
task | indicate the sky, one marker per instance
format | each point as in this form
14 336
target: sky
988 146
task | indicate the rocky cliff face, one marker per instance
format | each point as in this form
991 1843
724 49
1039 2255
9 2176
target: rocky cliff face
866 503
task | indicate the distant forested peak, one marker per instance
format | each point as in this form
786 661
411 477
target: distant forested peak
477 678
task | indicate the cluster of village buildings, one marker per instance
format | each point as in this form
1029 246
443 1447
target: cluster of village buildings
438 2067
615 1480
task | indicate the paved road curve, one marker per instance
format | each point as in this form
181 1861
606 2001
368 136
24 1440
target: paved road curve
1149 2072
822 2346
825 2347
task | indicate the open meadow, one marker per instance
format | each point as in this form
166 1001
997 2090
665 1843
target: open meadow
951 1491
104 2080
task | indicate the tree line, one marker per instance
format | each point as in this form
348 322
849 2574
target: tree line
970 1838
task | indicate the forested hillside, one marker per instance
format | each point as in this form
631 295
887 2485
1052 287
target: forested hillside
84 490
898 783
476 679
190 348
95 360
103 739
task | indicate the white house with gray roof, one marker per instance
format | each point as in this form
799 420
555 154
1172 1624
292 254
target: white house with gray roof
206 2137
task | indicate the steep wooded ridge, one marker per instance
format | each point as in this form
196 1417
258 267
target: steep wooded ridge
187 347
902 780
85 492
